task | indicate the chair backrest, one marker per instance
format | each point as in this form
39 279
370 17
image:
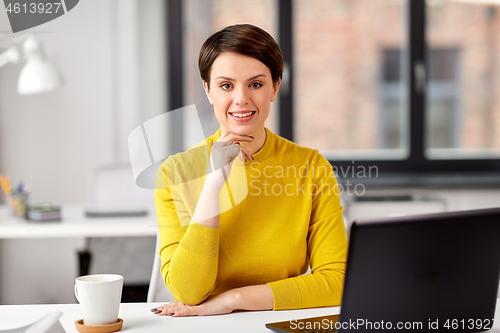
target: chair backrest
158 291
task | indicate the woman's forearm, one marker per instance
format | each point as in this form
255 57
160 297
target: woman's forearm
220 164
207 209
258 297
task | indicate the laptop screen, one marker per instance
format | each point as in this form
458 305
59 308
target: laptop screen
436 272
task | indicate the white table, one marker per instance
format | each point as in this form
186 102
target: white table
74 223
137 317
20 239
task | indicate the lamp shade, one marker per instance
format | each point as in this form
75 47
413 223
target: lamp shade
38 74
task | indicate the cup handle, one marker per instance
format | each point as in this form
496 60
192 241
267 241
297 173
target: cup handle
76 294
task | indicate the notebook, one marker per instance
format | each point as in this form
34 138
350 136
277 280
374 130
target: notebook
115 211
422 273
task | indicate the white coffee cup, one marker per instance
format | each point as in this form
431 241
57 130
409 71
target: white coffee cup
99 296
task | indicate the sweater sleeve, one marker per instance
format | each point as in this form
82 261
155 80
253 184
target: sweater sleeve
188 250
327 250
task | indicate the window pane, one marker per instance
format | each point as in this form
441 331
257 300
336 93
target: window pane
350 82
201 19
463 106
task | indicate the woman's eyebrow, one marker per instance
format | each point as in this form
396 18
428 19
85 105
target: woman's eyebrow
230 79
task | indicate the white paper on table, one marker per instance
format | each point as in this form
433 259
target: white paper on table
47 324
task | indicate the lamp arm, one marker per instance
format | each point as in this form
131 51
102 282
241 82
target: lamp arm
11 55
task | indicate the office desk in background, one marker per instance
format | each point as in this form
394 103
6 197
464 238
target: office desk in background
74 223
137 317
35 254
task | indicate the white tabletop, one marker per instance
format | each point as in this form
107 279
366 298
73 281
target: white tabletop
74 223
137 317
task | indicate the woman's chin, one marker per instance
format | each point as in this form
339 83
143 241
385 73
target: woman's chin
243 129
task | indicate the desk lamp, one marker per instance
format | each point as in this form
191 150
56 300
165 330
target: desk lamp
39 74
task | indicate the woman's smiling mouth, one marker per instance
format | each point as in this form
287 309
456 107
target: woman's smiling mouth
242 116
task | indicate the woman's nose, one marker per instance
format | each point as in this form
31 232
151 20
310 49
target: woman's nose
241 97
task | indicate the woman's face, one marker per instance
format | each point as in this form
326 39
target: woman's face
241 91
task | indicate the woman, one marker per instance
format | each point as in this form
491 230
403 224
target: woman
240 235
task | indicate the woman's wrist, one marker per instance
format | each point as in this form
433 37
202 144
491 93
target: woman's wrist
257 297
235 299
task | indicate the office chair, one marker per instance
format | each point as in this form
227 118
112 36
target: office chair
158 291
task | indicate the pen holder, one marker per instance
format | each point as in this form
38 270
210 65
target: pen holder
16 203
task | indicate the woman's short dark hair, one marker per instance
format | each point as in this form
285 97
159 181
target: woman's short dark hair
245 39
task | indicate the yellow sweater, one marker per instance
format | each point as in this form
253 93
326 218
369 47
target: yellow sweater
284 216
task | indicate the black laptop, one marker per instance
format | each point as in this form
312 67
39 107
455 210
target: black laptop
425 273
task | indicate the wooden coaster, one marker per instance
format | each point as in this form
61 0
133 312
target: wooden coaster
80 327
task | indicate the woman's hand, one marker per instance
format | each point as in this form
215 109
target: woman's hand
214 305
257 297
225 150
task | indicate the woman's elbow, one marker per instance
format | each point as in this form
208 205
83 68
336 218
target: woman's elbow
187 295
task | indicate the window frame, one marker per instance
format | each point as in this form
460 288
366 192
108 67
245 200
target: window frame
416 169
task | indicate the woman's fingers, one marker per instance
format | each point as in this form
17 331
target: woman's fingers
187 311
232 137
236 138
223 154
241 152
170 308
162 310
244 152
225 150
177 309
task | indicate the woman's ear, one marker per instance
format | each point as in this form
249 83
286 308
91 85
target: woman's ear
207 91
276 87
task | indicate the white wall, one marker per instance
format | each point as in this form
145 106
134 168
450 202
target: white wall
54 140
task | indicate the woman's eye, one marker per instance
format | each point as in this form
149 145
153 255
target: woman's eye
256 85
225 86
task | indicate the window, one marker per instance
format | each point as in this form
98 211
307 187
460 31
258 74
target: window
412 87
443 101
337 56
392 99
443 121
464 73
